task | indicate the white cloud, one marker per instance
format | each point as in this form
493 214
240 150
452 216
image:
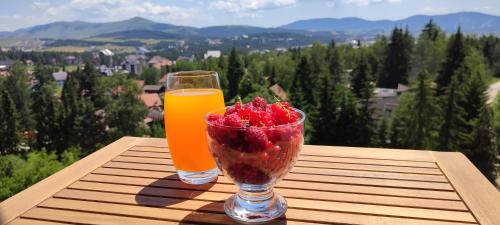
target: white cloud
429 9
40 5
369 2
117 9
240 6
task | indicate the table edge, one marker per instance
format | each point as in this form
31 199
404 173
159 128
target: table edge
16 205
480 196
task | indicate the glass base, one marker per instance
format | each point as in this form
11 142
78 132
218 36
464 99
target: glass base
202 177
255 208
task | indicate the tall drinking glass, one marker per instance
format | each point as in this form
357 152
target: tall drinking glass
188 98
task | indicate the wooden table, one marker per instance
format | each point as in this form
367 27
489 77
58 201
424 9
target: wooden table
133 181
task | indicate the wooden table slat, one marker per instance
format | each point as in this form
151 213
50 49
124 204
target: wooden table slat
366 161
302 170
133 181
160 202
80 217
299 203
17 204
482 197
23 221
300 163
298 177
293 193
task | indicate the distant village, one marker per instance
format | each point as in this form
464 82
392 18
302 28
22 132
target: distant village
384 100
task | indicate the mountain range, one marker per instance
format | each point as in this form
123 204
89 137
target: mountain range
471 22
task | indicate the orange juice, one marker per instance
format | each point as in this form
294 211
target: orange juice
185 111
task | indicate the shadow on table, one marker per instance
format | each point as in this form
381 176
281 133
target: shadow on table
214 213
168 191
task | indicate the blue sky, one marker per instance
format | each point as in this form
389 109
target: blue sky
199 13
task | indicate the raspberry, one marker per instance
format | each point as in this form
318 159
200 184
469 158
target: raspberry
230 110
247 174
256 139
217 131
233 120
259 103
246 111
282 133
214 117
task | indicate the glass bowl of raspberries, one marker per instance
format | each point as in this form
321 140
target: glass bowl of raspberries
255 145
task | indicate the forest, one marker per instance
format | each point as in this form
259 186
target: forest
45 128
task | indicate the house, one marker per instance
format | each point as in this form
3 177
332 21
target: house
71 60
5 65
132 64
106 53
106 71
142 51
214 41
140 84
163 80
156 113
186 58
212 53
159 62
155 107
278 91
60 77
151 100
385 100
153 89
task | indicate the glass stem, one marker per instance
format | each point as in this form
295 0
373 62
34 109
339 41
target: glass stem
256 200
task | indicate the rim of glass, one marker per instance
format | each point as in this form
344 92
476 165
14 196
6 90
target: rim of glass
193 73
300 121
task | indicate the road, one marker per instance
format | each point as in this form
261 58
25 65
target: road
493 91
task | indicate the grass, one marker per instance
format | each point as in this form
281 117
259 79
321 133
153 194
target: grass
11 42
71 68
143 40
115 48
66 49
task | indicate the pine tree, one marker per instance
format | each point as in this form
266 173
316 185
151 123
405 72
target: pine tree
72 111
424 110
19 89
235 72
382 132
397 62
485 149
429 51
318 56
301 95
93 128
43 75
150 75
48 119
126 113
361 81
362 88
89 84
335 63
455 56
253 84
346 127
452 133
328 87
400 122
9 127
221 70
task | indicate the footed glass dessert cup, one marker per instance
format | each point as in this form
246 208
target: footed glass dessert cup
255 158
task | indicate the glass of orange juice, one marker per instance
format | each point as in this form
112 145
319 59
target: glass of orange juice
188 98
